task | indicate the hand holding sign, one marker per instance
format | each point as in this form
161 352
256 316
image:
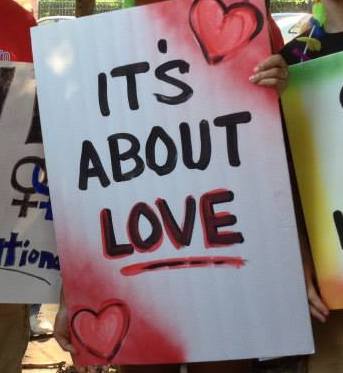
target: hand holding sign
273 72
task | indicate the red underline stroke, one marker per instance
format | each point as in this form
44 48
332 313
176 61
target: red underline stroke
182 263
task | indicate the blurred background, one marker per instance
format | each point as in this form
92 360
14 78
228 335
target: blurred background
290 15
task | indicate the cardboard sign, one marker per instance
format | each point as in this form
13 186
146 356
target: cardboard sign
29 265
313 105
170 186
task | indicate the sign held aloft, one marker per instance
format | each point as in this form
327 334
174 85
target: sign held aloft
313 106
170 186
29 265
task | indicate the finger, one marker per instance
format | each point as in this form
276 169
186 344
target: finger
278 85
273 61
274 83
316 302
317 315
274 73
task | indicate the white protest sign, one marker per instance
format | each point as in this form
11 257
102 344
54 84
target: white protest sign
29 266
170 187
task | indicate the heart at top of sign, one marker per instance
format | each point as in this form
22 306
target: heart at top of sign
102 332
222 30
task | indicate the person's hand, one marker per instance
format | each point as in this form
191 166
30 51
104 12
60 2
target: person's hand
61 330
62 336
273 72
318 308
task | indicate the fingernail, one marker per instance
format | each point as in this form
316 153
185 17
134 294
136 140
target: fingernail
256 68
252 78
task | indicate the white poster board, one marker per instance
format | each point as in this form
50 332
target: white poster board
29 265
169 185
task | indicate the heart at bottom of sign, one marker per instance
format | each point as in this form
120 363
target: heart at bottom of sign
102 332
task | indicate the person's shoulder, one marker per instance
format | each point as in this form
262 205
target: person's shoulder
15 24
277 42
9 9
292 51
30 20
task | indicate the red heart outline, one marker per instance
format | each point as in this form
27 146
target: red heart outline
117 308
209 43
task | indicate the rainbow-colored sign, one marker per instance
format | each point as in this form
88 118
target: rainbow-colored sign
313 107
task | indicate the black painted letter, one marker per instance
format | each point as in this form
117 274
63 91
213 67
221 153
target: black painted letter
110 247
117 157
205 147
130 72
338 218
89 154
230 122
102 95
161 74
154 240
150 150
178 236
211 220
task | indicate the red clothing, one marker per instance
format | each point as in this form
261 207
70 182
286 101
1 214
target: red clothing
15 40
275 35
